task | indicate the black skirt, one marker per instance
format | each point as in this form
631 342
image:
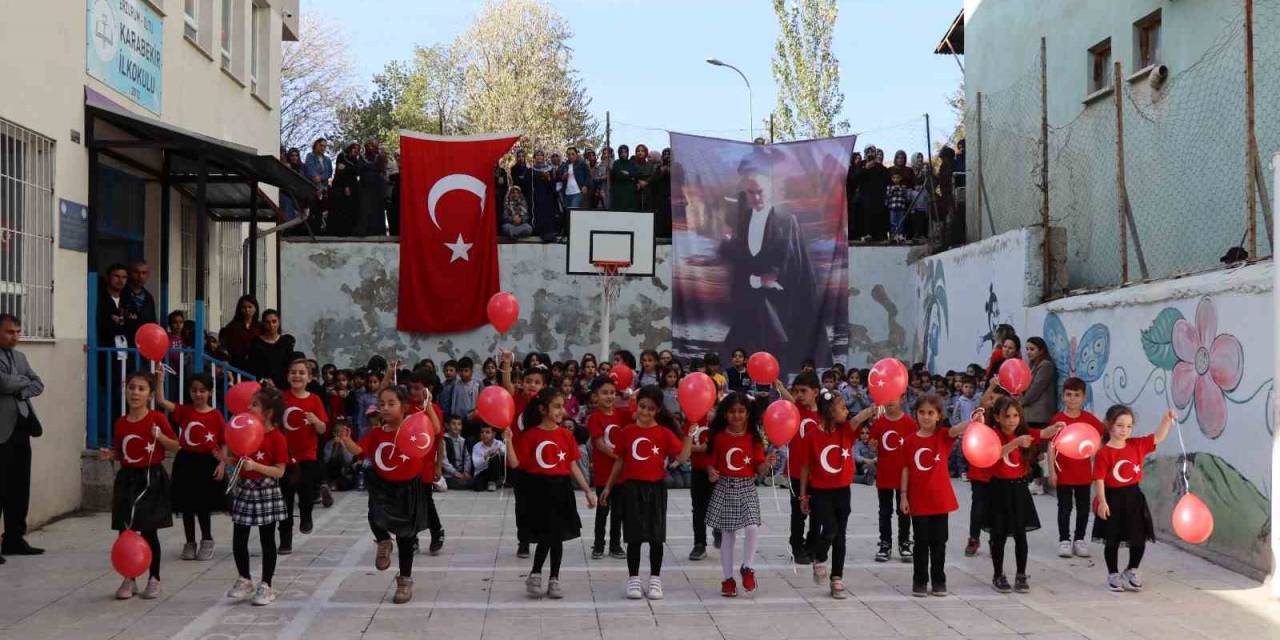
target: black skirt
551 508
1130 520
194 489
149 488
399 508
1009 508
646 512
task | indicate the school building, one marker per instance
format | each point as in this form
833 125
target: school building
132 129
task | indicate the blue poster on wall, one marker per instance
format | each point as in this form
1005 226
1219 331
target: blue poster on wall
125 41
73 226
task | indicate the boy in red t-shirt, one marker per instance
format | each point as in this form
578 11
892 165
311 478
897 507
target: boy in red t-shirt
888 436
1073 477
804 392
605 422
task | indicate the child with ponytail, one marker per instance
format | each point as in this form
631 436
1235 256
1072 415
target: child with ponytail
737 451
256 498
927 494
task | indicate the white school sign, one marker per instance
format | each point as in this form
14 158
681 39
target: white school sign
125 39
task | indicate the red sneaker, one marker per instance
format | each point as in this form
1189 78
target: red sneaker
748 579
729 588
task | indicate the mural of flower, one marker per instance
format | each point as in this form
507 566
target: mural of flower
1208 365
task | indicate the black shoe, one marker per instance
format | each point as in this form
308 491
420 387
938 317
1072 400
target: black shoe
1020 584
437 543
326 496
904 550
715 538
939 590
522 550
699 552
20 548
617 552
882 552
284 549
2 560
305 524
1001 584
802 556
597 552
920 590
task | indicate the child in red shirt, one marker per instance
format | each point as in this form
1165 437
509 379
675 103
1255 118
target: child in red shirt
700 486
804 393
1123 515
140 497
737 451
1073 477
304 420
927 495
198 488
824 485
534 379
420 399
256 499
548 454
889 432
604 424
642 449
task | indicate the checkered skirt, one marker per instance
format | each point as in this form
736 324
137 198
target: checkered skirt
257 502
734 504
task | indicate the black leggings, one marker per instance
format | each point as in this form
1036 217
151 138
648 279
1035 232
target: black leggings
1019 551
555 549
1069 495
240 550
189 525
1111 553
700 488
798 538
153 541
299 484
633 559
828 522
889 503
977 501
610 514
405 548
930 554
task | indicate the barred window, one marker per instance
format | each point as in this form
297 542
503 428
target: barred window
26 228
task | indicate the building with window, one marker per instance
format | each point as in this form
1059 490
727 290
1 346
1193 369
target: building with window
142 130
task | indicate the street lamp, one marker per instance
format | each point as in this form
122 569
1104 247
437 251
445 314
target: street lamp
751 122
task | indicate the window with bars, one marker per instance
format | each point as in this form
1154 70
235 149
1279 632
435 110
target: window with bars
230 267
187 224
26 228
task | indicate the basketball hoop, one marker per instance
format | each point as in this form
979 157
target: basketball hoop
611 274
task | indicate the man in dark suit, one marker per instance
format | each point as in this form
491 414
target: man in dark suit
18 424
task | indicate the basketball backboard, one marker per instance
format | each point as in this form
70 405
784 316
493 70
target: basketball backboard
610 236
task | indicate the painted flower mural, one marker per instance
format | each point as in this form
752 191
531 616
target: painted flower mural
1208 365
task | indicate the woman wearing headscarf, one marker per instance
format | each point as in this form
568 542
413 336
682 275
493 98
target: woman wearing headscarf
344 196
622 182
900 168
545 202
660 195
600 177
644 175
857 223
873 180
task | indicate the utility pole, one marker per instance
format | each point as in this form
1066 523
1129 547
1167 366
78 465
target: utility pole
1251 245
1046 252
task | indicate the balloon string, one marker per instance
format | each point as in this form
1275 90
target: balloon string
133 511
778 504
1186 479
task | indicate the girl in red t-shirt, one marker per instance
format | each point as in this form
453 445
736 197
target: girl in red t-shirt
256 500
737 454
304 421
198 486
1123 515
140 497
927 495
603 425
548 454
824 485
643 448
397 495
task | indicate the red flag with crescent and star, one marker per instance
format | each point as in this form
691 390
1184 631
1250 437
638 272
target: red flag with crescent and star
448 230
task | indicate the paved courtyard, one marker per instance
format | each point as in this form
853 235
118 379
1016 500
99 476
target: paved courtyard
474 590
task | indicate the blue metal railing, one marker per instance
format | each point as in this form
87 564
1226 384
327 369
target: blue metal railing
109 366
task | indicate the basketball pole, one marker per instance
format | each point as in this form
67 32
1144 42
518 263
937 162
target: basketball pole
606 311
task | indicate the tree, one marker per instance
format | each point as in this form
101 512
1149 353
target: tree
518 75
955 100
807 73
315 81
421 95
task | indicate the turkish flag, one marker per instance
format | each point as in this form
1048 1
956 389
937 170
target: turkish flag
448 230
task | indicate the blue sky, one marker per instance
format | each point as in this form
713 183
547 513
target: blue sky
643 60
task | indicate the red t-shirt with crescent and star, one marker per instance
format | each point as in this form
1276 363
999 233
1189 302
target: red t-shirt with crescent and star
644 451
134 445
604 427
830 457
391 464
890 437
797 449
548 452
1012 466
300 435
736 456
1122 467
1072 472
699 435
274 450
433 450
929 490
198 431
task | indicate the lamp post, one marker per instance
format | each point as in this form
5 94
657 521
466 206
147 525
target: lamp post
751 122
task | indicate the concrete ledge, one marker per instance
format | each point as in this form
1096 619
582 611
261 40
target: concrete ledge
96 479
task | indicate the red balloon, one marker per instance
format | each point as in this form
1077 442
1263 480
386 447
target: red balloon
243 434
763 368
152 341
1015 376
415 435
1078 440
622 375
1192 520
697 394
887 381
503 310
130 555
496 406
981 445
781 422
240 395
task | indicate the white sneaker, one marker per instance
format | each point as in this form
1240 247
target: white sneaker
1114 582
1064 549
153 590
1080 548
1132 580
491 487
819 572
242 589
634 592
264 596
533 585
655 588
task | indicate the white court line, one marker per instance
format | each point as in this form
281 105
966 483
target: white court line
610 566
320 597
